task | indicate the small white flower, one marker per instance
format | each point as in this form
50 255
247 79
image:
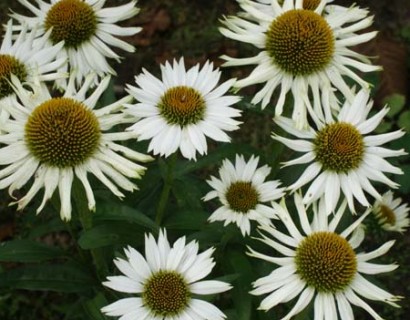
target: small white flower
167 282
242 190
180 110
302 51
342 155
88 31
391 213
320 265
55 139
24 56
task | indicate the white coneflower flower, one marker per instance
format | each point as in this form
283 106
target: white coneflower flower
242 190
88 31
305 52
341 154
166 282
26 58
180 110
55 140
320 265
392 214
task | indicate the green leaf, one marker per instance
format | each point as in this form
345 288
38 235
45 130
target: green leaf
240 292
188 192
67 277
187 220
395 102
28 251
403 179
384 127
53 225
115 212
404 120
231 314
111 233
108 95
207 237
405 32
92 307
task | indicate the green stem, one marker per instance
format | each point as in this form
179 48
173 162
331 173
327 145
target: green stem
166 189
85 217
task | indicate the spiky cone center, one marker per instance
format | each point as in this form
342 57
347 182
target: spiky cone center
242 196
182 105
300 42
326 261
10 65
339 147
166 293
387 215
62 132
73 21
311 4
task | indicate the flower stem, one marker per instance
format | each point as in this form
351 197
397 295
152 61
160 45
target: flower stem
166 189
85 217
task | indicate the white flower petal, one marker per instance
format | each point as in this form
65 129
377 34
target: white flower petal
209 287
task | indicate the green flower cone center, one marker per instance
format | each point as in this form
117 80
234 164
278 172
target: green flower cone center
166 293
300 42
387 215
310 4
73 21
326 262
242 196
10 65
182 105
339 147
62 132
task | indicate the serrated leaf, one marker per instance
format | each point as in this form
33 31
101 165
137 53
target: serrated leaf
28 251
51 277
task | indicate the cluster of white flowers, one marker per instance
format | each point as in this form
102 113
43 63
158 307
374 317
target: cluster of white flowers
54 67
52 133
55 138
305 56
